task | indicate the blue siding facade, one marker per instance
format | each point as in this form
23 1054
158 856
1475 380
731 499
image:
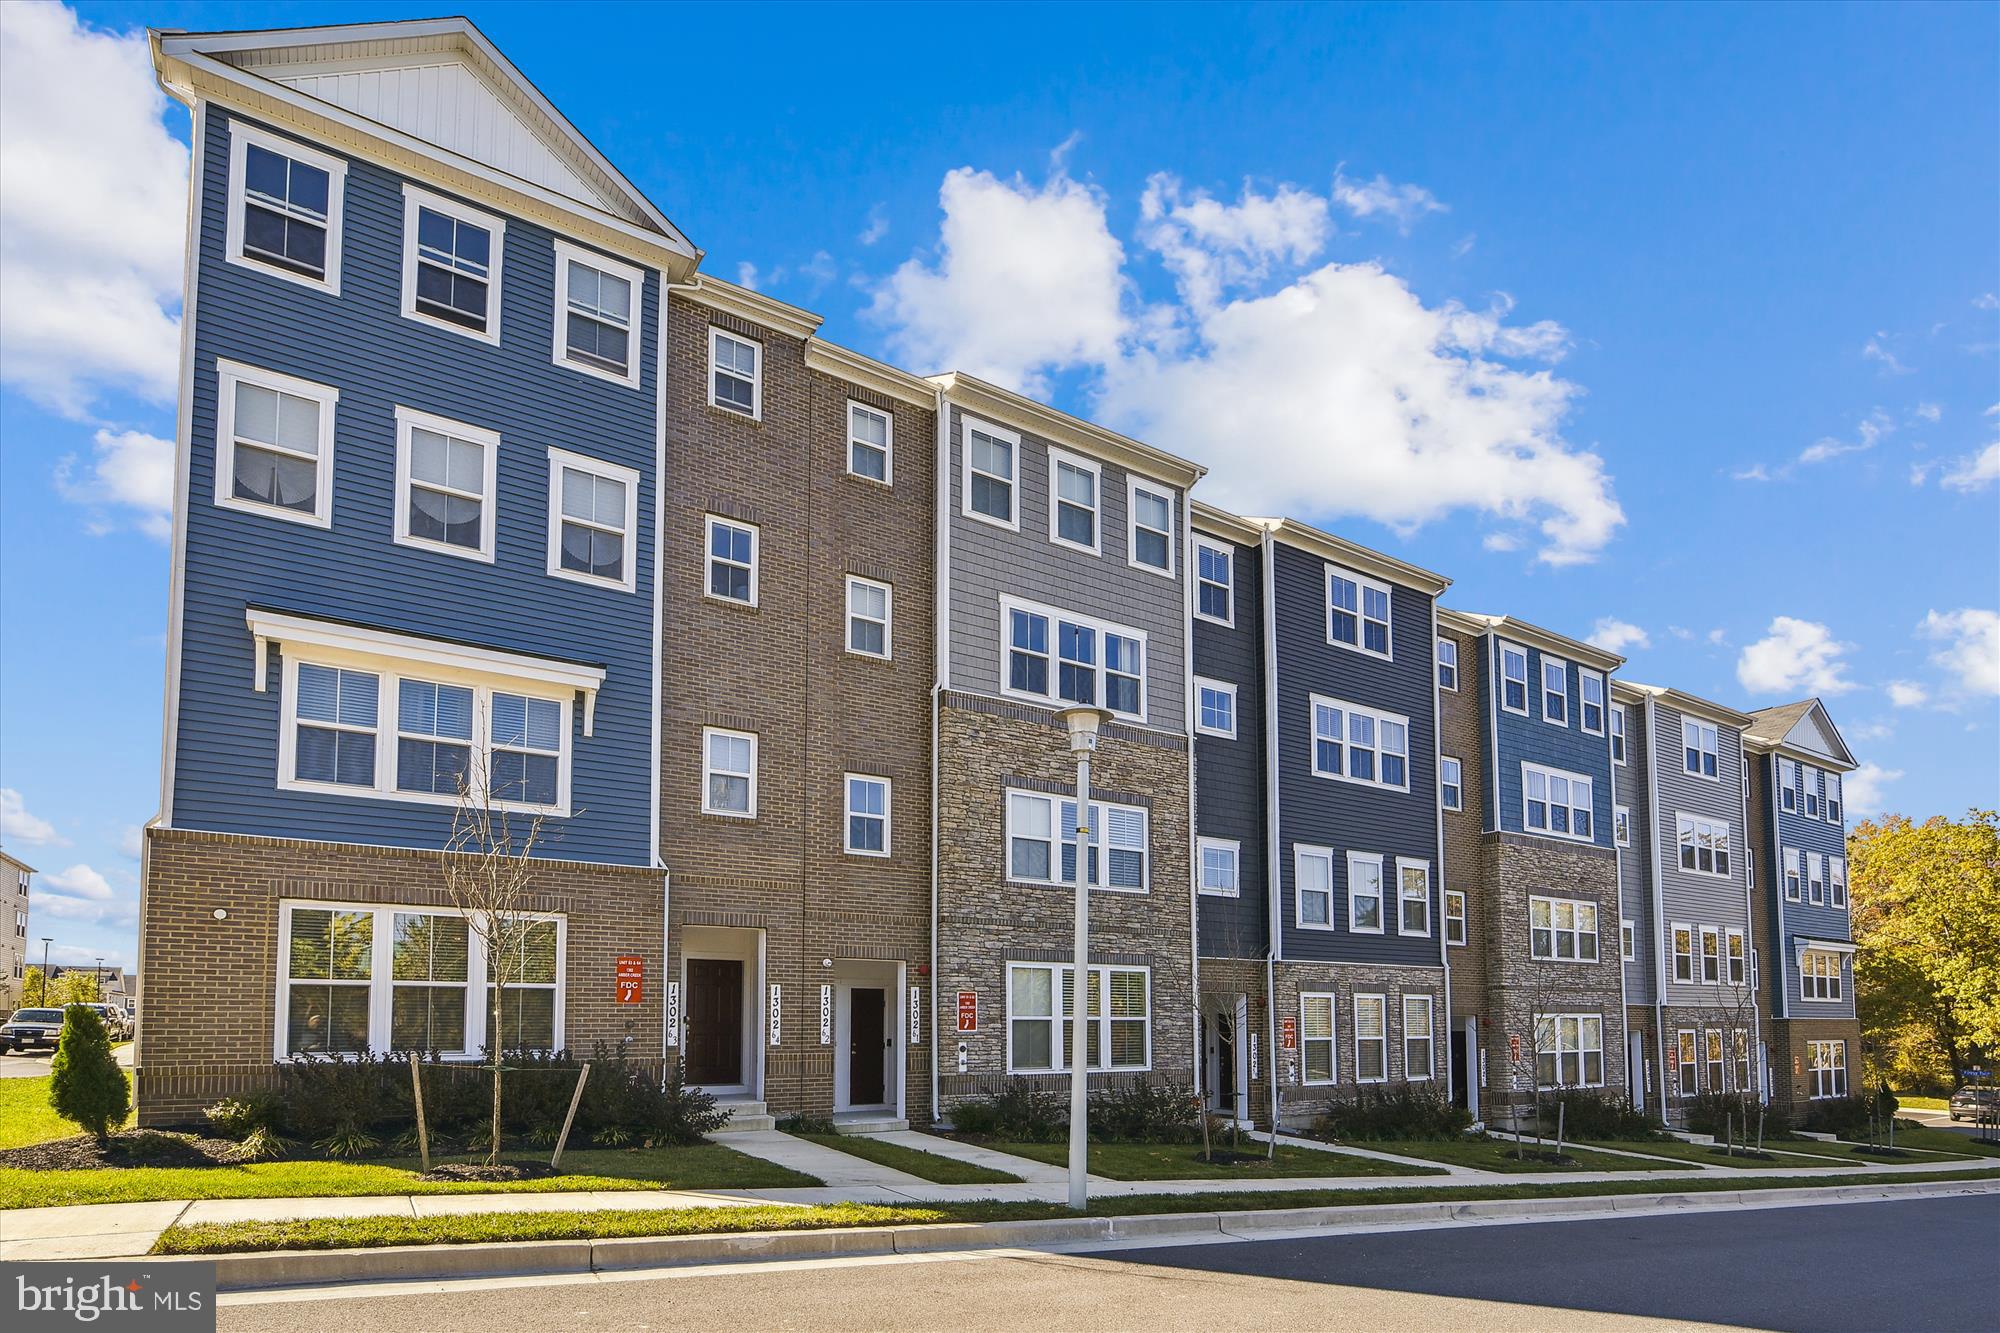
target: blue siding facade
1229 774
1535 740
225 774
1808 834
1345 816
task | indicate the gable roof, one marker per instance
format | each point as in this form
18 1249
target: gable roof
1805 728
436 85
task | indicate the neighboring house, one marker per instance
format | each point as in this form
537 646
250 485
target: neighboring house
1532 885
414 543
1693 858
1063 580
1803 934
15 883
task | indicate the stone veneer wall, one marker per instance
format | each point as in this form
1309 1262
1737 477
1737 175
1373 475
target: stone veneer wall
1300 1103
1245 977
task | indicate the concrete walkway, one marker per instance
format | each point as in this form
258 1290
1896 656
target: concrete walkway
1029 1170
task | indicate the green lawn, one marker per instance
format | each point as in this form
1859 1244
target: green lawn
934 1167
1183 1161
1491 1154
1940 1140
343 1233
25 1117
1683 1151
702 1166
1910 1101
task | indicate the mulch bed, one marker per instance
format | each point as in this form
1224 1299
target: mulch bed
127 1148
1751 1153
481 1172
1533 1155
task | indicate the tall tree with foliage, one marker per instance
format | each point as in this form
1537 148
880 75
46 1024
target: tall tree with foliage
71 987
1926 920
85 1083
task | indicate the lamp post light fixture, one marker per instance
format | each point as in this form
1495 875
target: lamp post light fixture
43 998
1082 723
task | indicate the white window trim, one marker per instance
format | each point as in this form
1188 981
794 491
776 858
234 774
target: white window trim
1205 683
1318 701
1332 1039
1704 937
1429 1038
1790 790
1382 1001
1836 883
241 134
1696 772
756 412
1555 1022
1603 702
1696 823
847 609
562 458
1439 662
1362 585
1572 778
1576 933
848 812
1542 690
1054 615
1302 852
966 426
228 374
565 252
1836 978
1731 935
409 419
1459 786
1383 896
1057 842
1818 1065
888 477
1096 471
1228 554
1831 796
414 198
1413 863
1621 732
1621 825
1235 849
1628 940
1134 483
1794 872
1527 684
1060 1022
708 522
1674 955
1464 933
755 767
381 982
1815 879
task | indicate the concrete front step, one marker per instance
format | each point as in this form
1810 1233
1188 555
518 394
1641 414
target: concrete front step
745 1117
848 1123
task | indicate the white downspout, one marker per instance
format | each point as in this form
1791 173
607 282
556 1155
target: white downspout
1274 879
941 641
1188 708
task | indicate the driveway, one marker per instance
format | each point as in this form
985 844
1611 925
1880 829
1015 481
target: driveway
17 1065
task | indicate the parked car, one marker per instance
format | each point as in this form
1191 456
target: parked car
30 1029
1975 1103
114 1021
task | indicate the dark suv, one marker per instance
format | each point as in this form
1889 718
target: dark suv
1975 1103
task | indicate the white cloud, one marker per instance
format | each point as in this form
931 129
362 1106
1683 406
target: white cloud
1865 787
79 881
746 275
78 955
92 221
1794 657
132 841
1972 647
1930 412
129 471
1615 636
1877 350
877 228
1211 246
1501 541
18 824
1717 637
1868 432
1382 197
1755 472
1907 694
1873 730
1986 301
1974 472
1921 473
821 269
1465 244
80 893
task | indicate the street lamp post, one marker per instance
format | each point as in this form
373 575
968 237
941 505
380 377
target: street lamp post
43 998
1082 724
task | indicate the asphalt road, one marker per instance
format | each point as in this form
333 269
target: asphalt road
1914 1265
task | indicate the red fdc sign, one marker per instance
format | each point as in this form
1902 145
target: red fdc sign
631 978
1513 1046
968 1011
1289 1033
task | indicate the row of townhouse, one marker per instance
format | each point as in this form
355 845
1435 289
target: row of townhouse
481 481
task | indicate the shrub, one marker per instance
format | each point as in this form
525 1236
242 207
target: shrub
1843 1117
1142 1112
684 1114
239 1117
1020 1111
1403 1112
1590 1114
85 1083
1714 1112
806 1124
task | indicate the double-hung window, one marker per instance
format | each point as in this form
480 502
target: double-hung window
729 773
1357 612
529 983
1816 879
1027 652
1447 664
732 560
1454 916
1215 708
1418 1061
1698 748
1413 893
867 815
1621 825
433 736
1628 940
527 747
1569 1050
1562 929
1356 744
1215 580
1371 1038
1836 880
1704 845
1556 803
1451 783
1711 956
327 991
1318 1063
1712 1051
596 298
1514 679
1811 779
593 520
445 484
868 605
735 373
1364 892
1683 939
1075 501
284 208
992 468
429 953
1794 876
1833 805
1041 1002
1092 662
1736 958
1150 540
1788 785
1686 1062
1220 858
1312 885
1819 975
451 264
1618 733
274 444
334 725
1555 691
871 435
1590 693
1826 1068
1119 856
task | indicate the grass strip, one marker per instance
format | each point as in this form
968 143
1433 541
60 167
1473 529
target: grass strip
934 1167
25 1116
1183 1161
1683 1151
364 1232
1493 1154
1931 1139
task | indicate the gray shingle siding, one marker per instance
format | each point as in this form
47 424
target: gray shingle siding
1345 816
1229 774
1700 900
1635 863
358 342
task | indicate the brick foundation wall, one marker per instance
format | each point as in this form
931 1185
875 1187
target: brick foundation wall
1301 1103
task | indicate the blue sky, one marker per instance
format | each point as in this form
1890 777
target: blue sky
1682 319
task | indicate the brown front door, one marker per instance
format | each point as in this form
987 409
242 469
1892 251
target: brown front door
715 1020
866 1043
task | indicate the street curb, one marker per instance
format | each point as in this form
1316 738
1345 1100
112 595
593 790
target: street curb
291 1268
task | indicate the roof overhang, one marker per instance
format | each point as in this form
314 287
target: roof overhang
1532 636
754 306
1007 408
1361 559
1805 944
1765 740
1221 523
1691 703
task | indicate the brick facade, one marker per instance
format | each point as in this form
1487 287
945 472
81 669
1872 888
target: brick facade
1791 1080
1301 1103
1461 729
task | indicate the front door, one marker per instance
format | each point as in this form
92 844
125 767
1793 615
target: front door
1461 1083
1225 1064
715 1020
867 1041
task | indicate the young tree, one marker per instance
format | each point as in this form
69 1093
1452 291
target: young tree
72 987
85 1083
489 873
